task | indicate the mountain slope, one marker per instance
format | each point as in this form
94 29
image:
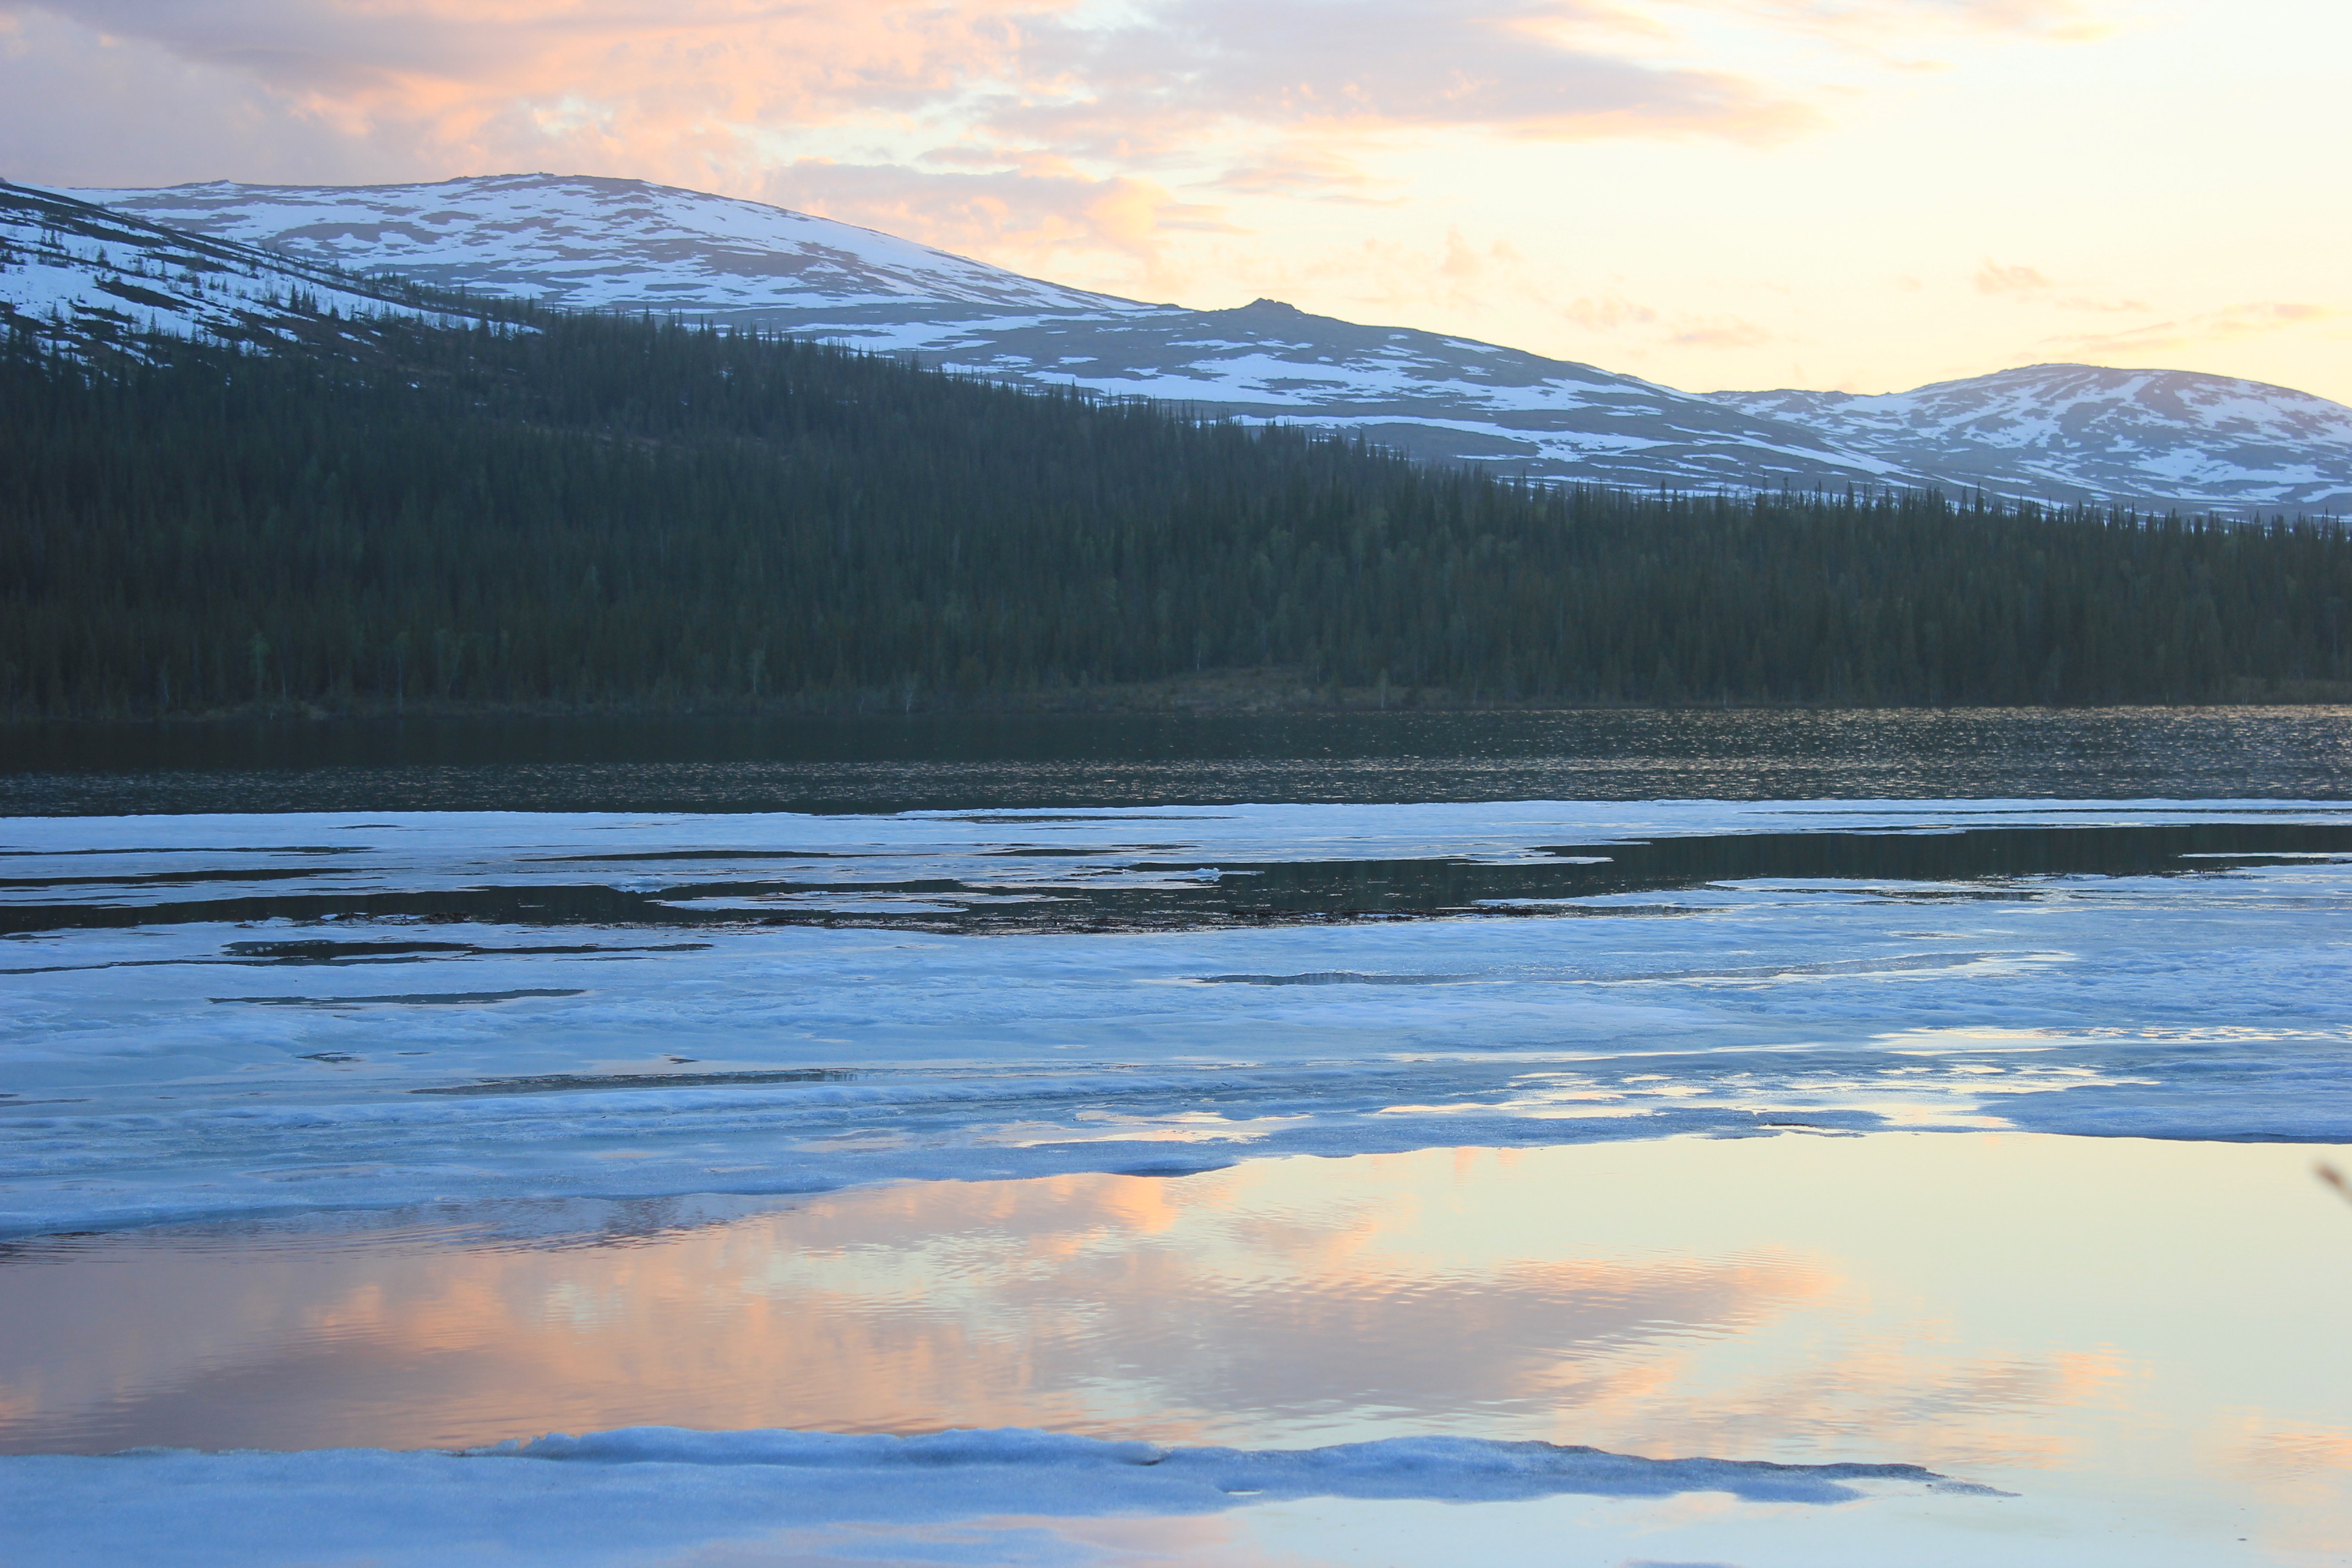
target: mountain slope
594 513
2079 432
586 243
1440 398
2064 432
578 241
78 274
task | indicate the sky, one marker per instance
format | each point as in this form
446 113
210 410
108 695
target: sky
1861 194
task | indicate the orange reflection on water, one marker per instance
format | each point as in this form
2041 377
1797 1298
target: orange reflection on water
1215 1541
1974 1304
2302 1472
1886 1395
1090 1303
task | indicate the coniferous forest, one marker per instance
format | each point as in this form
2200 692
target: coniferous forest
553 512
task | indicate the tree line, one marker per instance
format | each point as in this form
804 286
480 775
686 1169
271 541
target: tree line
548 512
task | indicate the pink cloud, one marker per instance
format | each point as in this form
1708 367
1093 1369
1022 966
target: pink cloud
692 81
1868 24
1014 129
1499 63
2212 326
1609 313
1032 221
1725 332
2027 285
1993 277
515 76
1526 68
1302 168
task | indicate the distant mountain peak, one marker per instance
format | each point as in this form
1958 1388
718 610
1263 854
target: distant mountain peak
2098 432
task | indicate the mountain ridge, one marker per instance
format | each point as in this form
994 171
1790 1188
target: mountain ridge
605 243
2062 434
2055 423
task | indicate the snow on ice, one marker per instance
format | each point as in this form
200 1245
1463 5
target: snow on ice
186 1067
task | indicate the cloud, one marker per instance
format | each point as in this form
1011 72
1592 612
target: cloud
1303 171
2231 323
1992 277
1033 218
1609 313
507 76
1092 136
1453 275
1727 332
1034 70
1868 24
76 108
1261 97
2027 285
1552 69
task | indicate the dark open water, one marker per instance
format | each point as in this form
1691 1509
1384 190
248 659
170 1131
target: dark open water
839 764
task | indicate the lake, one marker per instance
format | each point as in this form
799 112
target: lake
1769 1140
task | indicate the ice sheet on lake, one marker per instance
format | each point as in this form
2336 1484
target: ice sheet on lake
158 1071
650 1493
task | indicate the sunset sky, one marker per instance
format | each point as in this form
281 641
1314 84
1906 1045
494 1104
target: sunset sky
1715 194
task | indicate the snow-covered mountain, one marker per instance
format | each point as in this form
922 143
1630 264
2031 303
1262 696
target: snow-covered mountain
2083 432
624 244
78 273
2059 432
583 243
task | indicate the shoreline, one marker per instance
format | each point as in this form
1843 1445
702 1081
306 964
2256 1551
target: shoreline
1226 695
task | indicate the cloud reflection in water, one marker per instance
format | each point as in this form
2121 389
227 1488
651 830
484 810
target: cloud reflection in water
1725 1297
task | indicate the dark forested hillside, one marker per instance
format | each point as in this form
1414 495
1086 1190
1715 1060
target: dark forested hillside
568 512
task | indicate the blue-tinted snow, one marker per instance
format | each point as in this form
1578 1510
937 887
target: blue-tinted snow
662 1495
69 270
